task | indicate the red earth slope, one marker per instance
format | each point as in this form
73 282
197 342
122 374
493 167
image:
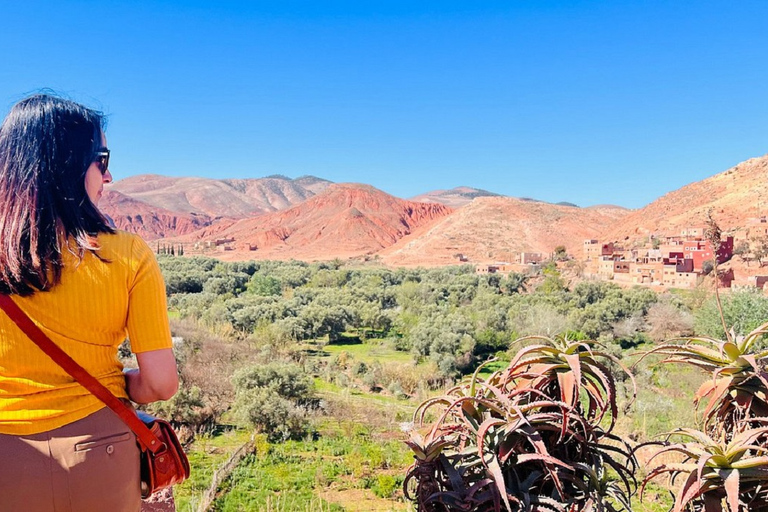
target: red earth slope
151 222
735 196
493 229
346 220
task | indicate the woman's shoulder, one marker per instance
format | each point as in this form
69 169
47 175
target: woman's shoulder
122 243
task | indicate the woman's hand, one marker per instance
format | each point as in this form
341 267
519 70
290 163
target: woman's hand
155 379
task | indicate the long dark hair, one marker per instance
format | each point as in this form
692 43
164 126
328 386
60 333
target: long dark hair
47 144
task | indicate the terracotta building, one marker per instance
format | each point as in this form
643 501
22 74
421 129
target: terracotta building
701 250
531 258
593 249
647 273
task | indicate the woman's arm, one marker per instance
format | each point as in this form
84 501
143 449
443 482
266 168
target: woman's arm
155 378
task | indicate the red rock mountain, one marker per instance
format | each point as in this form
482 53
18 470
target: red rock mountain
499 228
161 206
150 222
735 196
345 220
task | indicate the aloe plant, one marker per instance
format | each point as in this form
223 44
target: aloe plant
565 368
522 440
425 469
734 472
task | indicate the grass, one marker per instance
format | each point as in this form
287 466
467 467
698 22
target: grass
325 389
356 462
488 369
368 352
664 398
348 468
207 454
296 473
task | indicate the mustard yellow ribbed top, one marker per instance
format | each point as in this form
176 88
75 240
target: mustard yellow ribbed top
88 315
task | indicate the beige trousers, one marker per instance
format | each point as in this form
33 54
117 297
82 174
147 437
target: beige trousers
91 465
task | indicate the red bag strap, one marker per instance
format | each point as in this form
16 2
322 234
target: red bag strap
22 320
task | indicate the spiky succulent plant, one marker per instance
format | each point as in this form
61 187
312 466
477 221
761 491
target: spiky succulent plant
530 437
717 472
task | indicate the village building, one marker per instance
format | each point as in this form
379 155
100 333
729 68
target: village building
223 241
594 250
591 249
621 266
531 258
757 226
693 232
758 281
672 246
701 250
605 268
499 267
648 272
673 277
727 278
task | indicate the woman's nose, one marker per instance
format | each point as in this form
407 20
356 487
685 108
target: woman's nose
107 177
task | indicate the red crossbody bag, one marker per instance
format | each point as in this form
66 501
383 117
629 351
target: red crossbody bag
163 461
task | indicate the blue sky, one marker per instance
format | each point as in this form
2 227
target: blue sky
583 101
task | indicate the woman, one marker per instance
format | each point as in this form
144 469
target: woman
87 286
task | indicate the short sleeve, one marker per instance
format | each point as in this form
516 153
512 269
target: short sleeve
148 327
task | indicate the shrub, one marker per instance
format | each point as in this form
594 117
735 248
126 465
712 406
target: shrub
264 285
668 321
178 282
539 319
744 309
187 407
205 363
271 414
385 486
274 398
396 389
287 380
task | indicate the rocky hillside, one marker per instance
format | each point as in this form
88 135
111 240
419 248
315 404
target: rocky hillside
151 222
310 218
152 205
345 220
498 228
735 196
220 198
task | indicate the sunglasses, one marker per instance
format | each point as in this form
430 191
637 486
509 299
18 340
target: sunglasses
102 158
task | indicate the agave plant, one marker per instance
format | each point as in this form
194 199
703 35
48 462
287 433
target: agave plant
738 389
522 439
717 471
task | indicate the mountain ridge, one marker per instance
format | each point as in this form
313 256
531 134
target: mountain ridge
309 217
